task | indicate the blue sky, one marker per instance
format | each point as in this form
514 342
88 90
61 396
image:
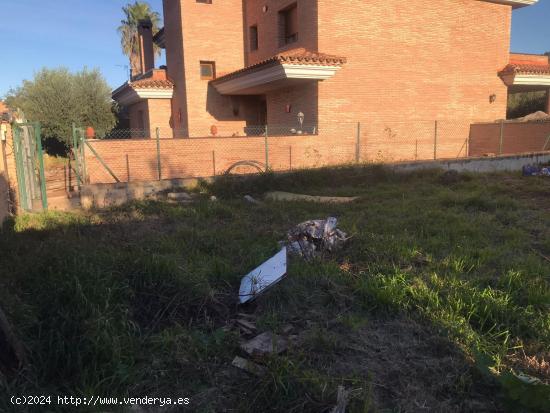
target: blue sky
78 33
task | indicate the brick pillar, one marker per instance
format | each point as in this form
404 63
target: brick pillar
548 101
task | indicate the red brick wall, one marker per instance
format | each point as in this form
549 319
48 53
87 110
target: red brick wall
156 114
175 70
334 144
268 27
159 116
516 138
134 114
408 61
302 98
198 32
201 157
414 60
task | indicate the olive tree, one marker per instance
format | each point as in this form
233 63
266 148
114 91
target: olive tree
58 98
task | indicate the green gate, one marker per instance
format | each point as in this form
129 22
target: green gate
30 166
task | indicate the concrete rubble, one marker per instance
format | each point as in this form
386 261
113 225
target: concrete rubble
287 196
311 239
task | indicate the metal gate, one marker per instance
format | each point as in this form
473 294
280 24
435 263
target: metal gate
30 166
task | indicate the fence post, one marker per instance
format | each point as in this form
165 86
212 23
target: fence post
214 162
127 168
290 157
266 150
501 141
358 143
38 137
76 161
435 139
158 154
83 157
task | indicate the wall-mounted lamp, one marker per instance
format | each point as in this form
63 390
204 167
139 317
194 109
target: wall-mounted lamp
288 108
492 98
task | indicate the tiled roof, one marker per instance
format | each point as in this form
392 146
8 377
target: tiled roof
154 79
151 84
294 56
526 68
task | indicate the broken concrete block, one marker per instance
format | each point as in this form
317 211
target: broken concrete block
287 196
179 196
265 344
248 198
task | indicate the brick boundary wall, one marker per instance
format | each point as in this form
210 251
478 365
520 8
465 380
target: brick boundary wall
111 194
517 137
136 159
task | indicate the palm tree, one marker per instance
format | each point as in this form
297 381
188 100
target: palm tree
128 29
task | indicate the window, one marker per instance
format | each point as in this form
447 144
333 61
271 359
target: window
208 70
205 1
288 25
253 38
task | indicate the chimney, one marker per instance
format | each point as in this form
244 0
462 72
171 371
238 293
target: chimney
146 49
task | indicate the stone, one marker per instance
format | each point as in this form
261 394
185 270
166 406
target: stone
179 196
265 344
249 366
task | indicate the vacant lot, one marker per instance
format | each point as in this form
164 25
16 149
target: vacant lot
439 301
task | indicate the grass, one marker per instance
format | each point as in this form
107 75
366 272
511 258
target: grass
442 292
53 161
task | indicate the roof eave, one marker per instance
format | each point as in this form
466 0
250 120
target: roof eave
127 95
260 79
516 4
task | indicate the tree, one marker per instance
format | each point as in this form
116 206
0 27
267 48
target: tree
128 30
524 103
58 98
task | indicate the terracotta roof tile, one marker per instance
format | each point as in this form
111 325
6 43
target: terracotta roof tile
526 68
294 56
151 84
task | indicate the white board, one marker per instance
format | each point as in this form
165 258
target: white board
263 277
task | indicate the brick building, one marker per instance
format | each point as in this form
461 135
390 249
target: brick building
233 65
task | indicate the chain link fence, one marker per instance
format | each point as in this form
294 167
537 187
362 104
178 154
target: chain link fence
509 137
166 153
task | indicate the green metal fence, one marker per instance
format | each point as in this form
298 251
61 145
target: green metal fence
30 166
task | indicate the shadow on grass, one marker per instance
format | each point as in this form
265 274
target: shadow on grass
134 300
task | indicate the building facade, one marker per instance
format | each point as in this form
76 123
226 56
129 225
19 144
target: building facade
234 67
